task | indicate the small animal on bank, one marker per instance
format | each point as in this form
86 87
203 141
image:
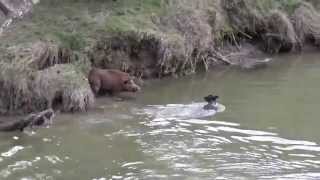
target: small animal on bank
212 102
33 120
111 81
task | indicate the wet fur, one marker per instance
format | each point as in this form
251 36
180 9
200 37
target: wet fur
211 100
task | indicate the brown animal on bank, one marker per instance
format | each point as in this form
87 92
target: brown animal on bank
111 81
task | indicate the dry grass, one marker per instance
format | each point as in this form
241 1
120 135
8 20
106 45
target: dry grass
178 46
38 55
306 21
147 38
66 84
25 88
268 21
243 18
280 34
46 54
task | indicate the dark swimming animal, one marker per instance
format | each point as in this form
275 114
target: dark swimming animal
212 102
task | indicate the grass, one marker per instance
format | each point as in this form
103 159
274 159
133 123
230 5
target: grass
134 15
71 26
287 5
175 36
74 41
74 22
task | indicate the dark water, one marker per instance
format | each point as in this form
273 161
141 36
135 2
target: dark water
269 130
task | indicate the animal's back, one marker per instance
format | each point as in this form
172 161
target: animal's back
104 79
110 79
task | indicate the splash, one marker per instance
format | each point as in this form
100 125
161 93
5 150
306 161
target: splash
12 151
181 111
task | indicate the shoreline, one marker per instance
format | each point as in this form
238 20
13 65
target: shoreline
247 57
45 60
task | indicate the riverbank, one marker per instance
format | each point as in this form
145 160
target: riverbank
47 55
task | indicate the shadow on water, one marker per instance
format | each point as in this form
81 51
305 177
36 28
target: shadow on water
269 130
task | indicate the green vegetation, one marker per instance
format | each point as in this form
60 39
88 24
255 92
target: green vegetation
73 41
135 15
286 5
75 22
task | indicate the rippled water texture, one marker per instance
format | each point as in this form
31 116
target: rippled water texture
269 130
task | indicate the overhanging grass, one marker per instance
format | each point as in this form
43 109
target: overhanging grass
168 36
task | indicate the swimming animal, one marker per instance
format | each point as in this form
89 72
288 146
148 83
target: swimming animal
212 102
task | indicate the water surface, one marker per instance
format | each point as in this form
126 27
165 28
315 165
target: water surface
269 130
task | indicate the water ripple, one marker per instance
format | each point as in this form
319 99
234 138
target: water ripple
219 147
181 111
132 164
278 140
242 131
310 176
298 147
12 151
53 159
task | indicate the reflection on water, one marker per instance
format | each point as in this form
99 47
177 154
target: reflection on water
269 130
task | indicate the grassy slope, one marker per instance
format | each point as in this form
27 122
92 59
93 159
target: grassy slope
181 26
75 23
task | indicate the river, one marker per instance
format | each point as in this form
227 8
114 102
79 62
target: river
269 130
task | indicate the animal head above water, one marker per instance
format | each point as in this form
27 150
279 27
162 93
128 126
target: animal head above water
210 98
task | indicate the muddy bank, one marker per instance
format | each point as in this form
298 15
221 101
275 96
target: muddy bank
45 58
